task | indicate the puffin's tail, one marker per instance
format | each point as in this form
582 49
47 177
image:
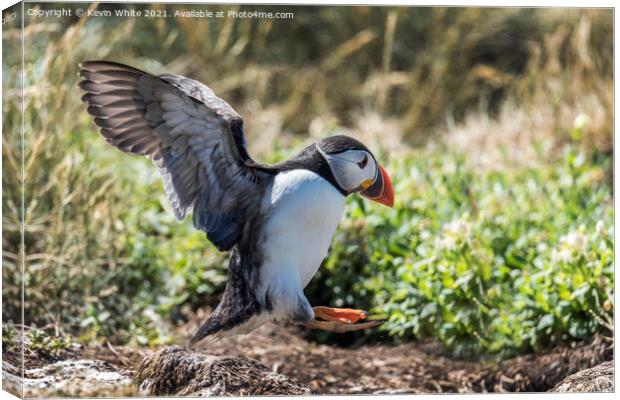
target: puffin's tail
220 324
209 328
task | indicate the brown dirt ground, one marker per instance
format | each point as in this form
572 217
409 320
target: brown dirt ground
403 368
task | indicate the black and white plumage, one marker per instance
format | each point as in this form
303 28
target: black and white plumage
277 220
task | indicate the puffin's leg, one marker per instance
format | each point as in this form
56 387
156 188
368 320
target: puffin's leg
346 315
341 327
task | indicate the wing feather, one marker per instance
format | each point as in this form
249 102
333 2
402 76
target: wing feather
193 137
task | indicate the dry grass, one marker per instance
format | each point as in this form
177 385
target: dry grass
563 97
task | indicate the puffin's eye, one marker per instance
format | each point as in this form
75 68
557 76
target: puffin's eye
362 164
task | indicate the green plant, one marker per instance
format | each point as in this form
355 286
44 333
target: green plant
8 334
45 344
486 261
37 338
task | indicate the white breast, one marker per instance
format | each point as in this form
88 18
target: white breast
304 211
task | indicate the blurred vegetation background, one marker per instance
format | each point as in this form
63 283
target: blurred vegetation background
495 124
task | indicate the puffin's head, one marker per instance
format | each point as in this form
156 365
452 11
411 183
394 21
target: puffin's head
356 169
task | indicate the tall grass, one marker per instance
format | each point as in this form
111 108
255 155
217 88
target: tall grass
12 168
104 256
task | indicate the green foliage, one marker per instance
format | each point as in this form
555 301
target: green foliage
48 345
9 336
486 261
131 258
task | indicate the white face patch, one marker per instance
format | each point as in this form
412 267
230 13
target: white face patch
353 169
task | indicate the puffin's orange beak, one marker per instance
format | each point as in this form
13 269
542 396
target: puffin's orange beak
381 190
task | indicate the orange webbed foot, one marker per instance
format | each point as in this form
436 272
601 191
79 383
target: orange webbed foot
346 315
341 320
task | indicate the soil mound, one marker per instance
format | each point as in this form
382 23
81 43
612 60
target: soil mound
596 379
181 371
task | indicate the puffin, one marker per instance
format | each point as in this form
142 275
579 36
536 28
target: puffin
276 221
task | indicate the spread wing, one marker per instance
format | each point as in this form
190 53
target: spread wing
193 137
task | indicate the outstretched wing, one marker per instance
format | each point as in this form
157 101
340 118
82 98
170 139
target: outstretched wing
193 137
